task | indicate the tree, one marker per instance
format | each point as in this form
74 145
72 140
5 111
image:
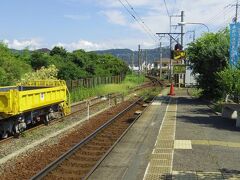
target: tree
229 80
11 67
58 51
209 55
49 73
39 60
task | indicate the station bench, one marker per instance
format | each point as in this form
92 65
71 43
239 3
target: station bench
232 111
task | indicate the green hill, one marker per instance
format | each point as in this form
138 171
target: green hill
126 54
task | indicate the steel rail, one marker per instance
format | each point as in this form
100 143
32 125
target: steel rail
111 148
111 95
39 126
70 152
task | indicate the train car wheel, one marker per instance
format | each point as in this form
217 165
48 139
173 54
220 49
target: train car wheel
5 135
46 119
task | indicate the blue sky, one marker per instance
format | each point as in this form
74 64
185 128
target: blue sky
101 24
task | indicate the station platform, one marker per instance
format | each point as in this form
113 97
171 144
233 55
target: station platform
176 138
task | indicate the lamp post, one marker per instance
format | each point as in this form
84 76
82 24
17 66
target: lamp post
184 23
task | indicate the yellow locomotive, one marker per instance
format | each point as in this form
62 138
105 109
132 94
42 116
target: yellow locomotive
31 102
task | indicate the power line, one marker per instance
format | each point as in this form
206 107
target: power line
145 29
175 10
225 12
220 12
166 8
137 15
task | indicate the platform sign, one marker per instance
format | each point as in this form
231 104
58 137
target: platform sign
234 43
179 69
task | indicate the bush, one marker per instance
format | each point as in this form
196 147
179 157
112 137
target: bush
209 55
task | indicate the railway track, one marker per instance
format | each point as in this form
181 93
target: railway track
80 161
76 108
82 106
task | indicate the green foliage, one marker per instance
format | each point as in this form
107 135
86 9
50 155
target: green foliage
58 51
71 65
208 55
130 82
81 64
11 67
229 79
135 79
49 73
39 60
195 92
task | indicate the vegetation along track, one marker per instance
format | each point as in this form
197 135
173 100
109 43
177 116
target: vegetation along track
81 160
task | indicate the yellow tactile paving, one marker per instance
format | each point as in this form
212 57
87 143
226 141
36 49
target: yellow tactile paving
161 156
231 176
200 142
163 151
166 136
157 176
158 170
209 175
184 175
160 165
192 175
216 143
160 162
164 144
182 144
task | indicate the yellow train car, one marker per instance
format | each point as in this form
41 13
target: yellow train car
31 102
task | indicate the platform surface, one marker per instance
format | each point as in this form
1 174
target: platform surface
176 138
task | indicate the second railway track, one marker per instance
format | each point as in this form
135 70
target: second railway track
81 160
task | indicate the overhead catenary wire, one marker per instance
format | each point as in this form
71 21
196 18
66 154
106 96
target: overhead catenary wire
166 8
140 19
224 12
220 12
137 20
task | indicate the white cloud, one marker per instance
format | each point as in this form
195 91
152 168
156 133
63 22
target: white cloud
82 44
31 44
115 17
108 44
195 11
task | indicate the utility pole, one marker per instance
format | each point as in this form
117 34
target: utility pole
236 16
236 12
182 33
146 61
139 57
182 30
170 46
160 54
132 61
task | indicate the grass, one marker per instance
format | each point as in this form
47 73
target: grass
150 94
129 83
195 92
218 107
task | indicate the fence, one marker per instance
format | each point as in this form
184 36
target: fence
95 81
